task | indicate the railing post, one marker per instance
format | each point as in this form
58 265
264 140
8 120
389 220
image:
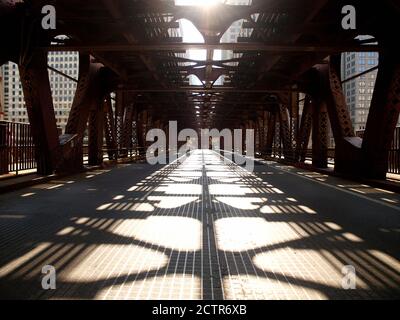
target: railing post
4 152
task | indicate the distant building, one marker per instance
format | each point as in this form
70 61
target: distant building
1 96
235 30
359 91
63 89
232 34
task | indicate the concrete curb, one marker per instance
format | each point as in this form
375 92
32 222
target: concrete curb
32 179
381 184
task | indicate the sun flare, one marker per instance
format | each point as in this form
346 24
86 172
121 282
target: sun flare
200 3
208 3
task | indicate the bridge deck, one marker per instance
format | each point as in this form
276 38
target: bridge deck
201 229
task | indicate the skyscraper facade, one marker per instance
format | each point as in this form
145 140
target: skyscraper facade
359 91
1 95
232 34
235 30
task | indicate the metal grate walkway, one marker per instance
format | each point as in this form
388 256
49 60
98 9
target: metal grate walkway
200 229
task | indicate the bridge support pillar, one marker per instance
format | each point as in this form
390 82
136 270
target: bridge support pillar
303 137
327 90
40 109
96 129
109 129
260 133
251 125
127 132
88 100
367 158
270 133
149 125
294 121
244 128
141 127
285 132
383 116
347 145
119 117
264 128
320 135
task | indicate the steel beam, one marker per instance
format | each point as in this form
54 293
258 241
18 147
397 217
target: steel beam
141 127
320 135
96 129
277 49
339 113
40 109
214 89
127 133
120 99
11 30
383 116
303 137
109 129
271 133
327 90
284 125
88 98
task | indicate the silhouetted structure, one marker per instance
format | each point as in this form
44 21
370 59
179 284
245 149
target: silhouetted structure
128 48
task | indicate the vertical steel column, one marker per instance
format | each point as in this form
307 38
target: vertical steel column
285 131
271 133
278 138
264 132
119 117
256 134
383 116
327 88
88 98
96 129
149 125
320 135
142 126
260 132
303 138
109 129
338 110
244 128
165 127
294 118
126 138
250 125
39 104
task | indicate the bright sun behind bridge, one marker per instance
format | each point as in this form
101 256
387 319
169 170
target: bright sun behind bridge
208 3
200 3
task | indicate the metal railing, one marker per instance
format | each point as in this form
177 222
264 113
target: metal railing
129 154
393 158
394 154
17 150
279 153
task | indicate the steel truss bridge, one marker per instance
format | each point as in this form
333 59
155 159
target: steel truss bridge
284 80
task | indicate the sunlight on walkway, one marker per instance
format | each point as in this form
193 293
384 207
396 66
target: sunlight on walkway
202 229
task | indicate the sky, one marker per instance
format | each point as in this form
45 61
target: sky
197 2
192 35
